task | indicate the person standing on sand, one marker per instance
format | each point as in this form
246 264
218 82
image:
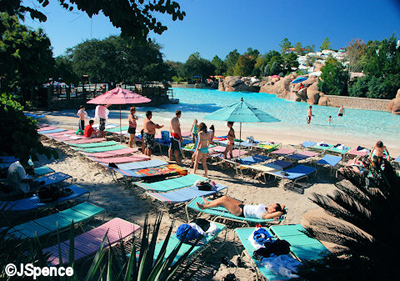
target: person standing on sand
149 130
341 111
82 114
205 139
101 114
132 126
194 130
176 137
309 115
231 140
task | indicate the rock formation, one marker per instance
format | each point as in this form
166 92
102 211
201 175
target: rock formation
394 105
237 84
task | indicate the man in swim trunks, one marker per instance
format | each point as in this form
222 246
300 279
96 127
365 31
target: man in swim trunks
309 115
101 114
377 154
176 137
239 209
149 130
341 111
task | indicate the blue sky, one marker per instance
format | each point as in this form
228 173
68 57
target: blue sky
216 27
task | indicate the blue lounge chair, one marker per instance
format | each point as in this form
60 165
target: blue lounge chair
44 170
250 160
307 144
53 178
330 160
243 234
34 203
184 194
141 164
171 184
302 155
295 173
222 213
304 247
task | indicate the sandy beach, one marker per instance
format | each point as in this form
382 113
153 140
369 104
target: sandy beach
128 202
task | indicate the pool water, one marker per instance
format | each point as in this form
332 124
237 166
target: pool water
196 103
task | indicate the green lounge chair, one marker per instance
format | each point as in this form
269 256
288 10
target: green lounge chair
61 220
222 213
100 149
93 144
243 234
171 184
304 247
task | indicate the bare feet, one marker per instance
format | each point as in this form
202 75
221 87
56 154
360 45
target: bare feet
201 206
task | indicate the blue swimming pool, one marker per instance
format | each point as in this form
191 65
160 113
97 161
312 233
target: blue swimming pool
196 103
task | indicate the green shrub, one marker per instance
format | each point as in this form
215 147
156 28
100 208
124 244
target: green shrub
359 88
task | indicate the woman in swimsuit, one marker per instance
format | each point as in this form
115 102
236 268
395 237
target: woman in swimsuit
377 153
231 138
204 140
239 209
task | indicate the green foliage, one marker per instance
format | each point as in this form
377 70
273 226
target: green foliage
359 88
118 59
326 45
220 65
136 18
64 70
355 51
230 61
334 78
197 66
299 48
285 45
290 62
19 135
275 68
363 221
26 58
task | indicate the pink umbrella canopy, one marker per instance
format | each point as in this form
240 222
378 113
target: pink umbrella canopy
119 96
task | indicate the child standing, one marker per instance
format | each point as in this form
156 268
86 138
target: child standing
82 115
231 140
330 120
194 130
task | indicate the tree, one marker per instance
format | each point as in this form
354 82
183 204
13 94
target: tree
230 61
118 59
299 48
275 68
244 66
197 66
219 64
26 59
19 137
334 78
285 45
355 51
290 62
64 70
326 45
136 18
363 220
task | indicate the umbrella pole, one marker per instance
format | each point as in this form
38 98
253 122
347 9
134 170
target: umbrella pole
120 124
240 137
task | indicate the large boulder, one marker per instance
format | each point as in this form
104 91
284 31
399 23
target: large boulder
313 94
323 99
237 83
394 104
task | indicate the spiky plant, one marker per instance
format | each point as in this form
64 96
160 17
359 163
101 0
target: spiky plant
365 224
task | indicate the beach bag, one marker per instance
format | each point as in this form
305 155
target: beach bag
205 185
278 247
187 234
49 193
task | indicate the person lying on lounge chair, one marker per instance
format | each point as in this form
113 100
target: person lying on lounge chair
239 209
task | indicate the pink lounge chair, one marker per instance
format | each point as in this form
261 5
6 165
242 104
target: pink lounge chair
283 151
60 134
119 160
359 151
48 128
112 153
89 242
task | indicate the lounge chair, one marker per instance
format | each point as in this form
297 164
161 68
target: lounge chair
302 155
152 172
247 163
274 166
53 178
88 243
45 132
321 147
100 149
80 146
44 170
308 144
47 128
358 151
123 159
283 152
304 247
34 203
330 160
71 141
112 153
268 146
61 220
117 130
339 149
184 194
171 184
223 214
296 173
397 161
173 242
6 161
244 234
